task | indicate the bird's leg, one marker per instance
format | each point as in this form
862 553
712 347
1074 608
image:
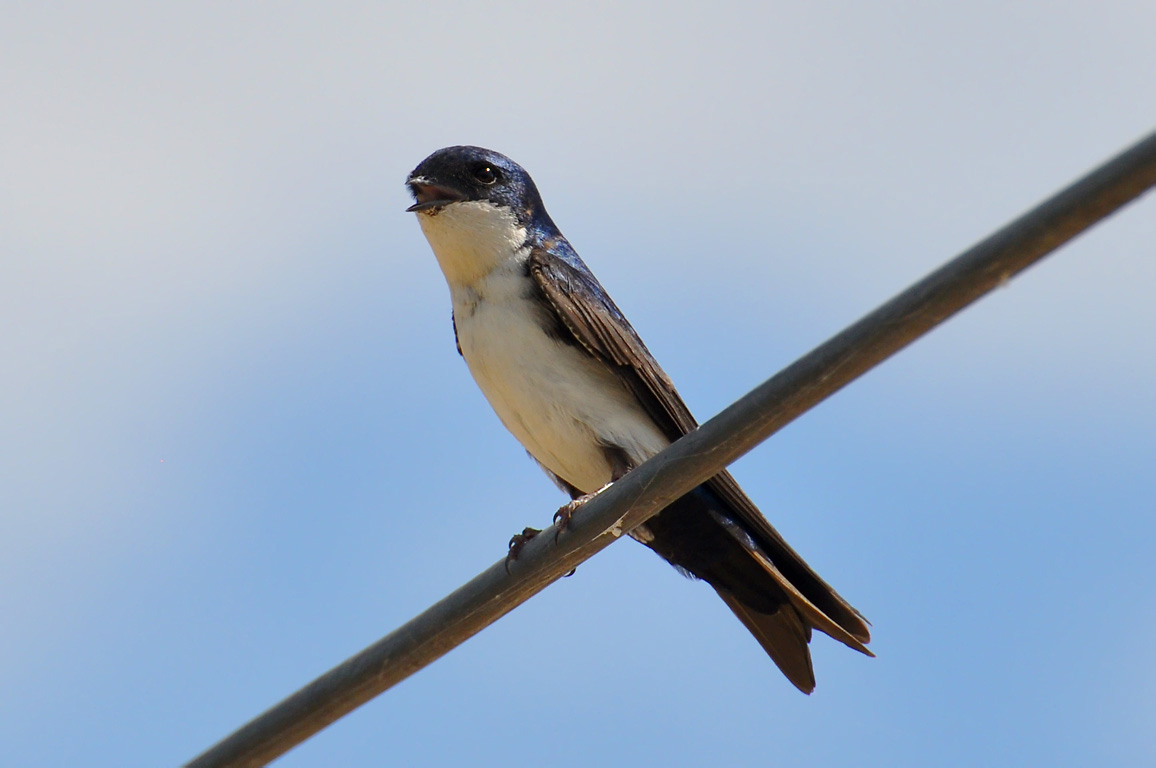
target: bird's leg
517 541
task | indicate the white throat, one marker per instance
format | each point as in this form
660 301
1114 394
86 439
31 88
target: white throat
470 239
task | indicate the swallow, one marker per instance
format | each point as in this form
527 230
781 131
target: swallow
568 376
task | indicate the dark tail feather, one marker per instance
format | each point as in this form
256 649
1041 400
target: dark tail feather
810 613
811 594
699 535
784 637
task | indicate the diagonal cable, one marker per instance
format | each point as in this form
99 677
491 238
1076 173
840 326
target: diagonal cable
691 460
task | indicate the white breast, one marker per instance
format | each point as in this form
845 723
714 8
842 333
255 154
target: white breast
562 405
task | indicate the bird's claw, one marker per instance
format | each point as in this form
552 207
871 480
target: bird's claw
565 513
561 522
517 541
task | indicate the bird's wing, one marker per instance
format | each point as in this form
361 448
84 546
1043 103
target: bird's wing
600 327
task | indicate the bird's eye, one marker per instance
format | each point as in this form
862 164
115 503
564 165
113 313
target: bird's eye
487 174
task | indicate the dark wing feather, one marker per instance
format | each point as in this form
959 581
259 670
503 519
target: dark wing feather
593 319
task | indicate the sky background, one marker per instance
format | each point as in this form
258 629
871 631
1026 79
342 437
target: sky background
237 444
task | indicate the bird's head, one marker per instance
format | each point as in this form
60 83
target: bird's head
477 208
472 175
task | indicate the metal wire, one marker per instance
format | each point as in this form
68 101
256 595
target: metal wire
691 460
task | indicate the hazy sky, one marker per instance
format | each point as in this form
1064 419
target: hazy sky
237 445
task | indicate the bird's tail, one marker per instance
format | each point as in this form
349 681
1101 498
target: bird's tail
783 635
703 536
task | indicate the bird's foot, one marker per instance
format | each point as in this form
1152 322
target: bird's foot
561 521
517 541
567 510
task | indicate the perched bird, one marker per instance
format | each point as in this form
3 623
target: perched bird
570 378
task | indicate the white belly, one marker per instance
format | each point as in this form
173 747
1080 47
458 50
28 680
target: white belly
562 405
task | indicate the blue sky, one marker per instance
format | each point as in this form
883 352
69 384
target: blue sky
237 445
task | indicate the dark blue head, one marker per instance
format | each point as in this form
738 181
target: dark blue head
459 174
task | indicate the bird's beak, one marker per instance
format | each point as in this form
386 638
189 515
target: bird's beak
430 195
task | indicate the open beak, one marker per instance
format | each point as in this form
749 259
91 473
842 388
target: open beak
430 195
